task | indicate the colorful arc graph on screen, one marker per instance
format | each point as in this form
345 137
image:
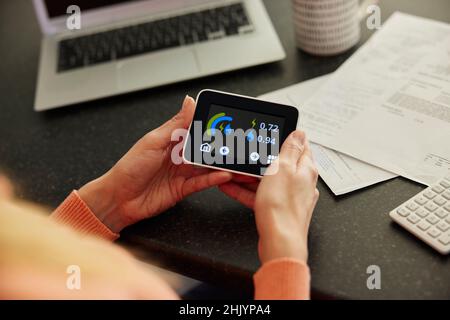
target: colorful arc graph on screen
222 119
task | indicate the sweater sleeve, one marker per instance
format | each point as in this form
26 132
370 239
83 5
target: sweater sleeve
75 213
282 279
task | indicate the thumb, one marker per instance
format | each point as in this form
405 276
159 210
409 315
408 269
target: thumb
181 120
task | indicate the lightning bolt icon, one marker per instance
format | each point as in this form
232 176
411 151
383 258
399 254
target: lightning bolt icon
253 123
221 127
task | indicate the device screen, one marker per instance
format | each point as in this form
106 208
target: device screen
261 128
56 8
238 134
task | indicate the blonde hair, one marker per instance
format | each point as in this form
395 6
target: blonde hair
35 253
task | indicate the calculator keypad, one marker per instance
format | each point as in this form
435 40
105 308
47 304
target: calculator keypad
427 215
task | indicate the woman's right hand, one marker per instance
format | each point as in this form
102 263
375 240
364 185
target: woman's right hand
283 202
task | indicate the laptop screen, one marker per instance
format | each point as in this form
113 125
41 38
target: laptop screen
56 8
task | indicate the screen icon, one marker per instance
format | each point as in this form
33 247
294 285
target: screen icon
220 120
250 136
205 147
271 159
224 150
254 156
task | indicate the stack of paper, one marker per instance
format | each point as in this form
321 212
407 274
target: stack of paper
388 106
341 173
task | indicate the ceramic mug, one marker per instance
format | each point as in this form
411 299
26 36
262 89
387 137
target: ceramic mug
327 27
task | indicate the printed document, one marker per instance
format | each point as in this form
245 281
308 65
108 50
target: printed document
389 104
341 173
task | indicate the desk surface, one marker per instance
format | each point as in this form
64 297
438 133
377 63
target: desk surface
208 236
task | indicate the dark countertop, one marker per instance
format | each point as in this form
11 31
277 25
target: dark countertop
208 236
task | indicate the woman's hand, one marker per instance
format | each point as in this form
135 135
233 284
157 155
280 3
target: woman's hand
145 181
283 201
6 188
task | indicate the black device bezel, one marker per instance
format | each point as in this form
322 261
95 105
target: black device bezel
207 97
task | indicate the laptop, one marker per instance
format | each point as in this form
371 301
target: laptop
128 45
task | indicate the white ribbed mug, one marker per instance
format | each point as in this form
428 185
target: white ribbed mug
327 27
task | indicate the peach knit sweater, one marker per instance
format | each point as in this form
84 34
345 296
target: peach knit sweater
278 279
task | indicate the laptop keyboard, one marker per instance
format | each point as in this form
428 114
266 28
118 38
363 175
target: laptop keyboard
115 44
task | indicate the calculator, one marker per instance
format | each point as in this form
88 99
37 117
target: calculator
427 215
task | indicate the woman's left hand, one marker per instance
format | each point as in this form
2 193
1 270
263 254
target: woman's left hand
146 182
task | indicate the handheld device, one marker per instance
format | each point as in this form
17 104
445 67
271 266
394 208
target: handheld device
237 133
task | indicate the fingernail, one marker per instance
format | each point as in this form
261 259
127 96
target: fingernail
299 136
185 101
